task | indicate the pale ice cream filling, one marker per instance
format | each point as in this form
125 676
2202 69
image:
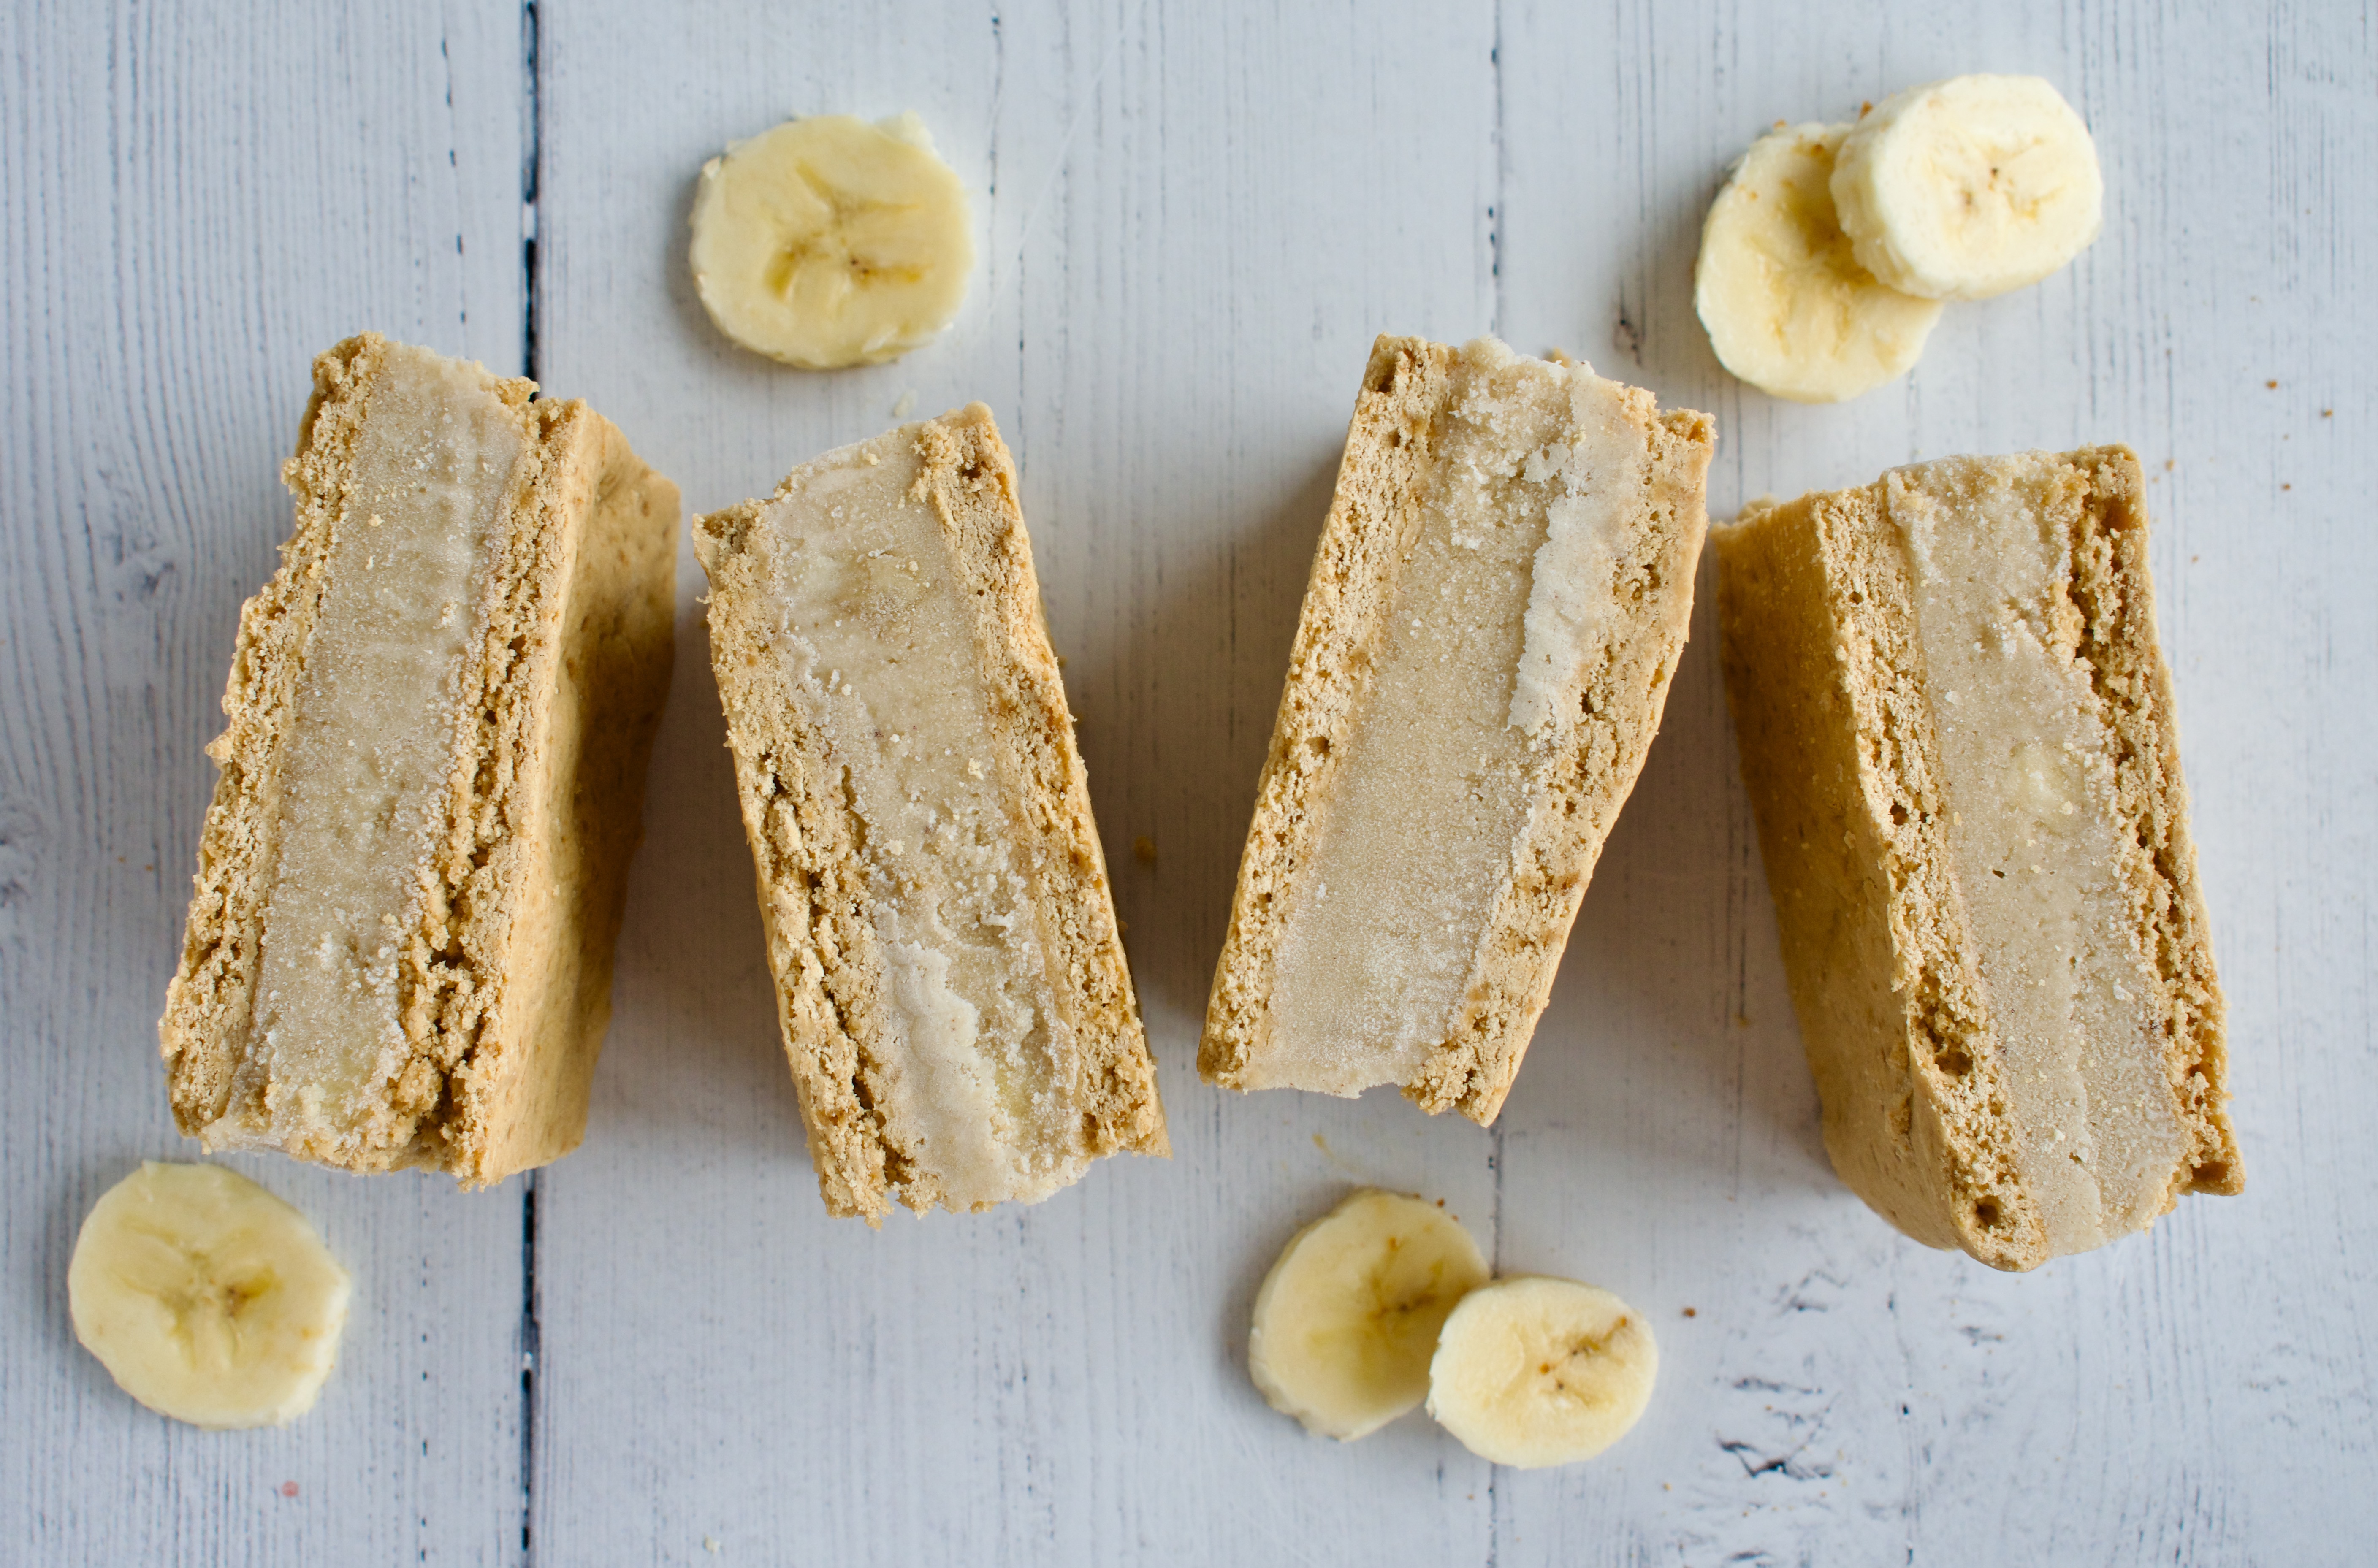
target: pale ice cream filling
2027 770
371 747
1502 610
879 636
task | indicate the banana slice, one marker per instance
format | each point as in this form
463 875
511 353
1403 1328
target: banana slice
829 242
209 1299
1787 306
1348 1317
1968 188
1532 1371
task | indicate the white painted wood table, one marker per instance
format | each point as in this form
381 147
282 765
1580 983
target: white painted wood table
1193 218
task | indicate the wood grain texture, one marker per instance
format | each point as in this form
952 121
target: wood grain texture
197 205
1193 220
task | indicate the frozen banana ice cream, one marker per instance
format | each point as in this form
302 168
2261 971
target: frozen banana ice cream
1497 602
950 976
1957 731
399 944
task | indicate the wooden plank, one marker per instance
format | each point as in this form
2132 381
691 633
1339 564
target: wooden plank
193 210
1169 321
1842 1394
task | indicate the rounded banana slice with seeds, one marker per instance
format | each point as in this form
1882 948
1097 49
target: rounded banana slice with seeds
1787 306
1532 1371
829 242
1347 1320
1966 188
207 1297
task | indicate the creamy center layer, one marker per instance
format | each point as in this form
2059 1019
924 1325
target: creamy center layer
2033 835
363 786
879 637
1503 607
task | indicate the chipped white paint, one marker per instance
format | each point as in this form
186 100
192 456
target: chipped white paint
1193 221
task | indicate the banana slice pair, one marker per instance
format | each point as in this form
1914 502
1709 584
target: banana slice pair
1385 1302
208 1298
829 242
1825 257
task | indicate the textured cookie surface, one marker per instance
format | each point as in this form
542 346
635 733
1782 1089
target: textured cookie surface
1496 605
950 975
398 951
1957 732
